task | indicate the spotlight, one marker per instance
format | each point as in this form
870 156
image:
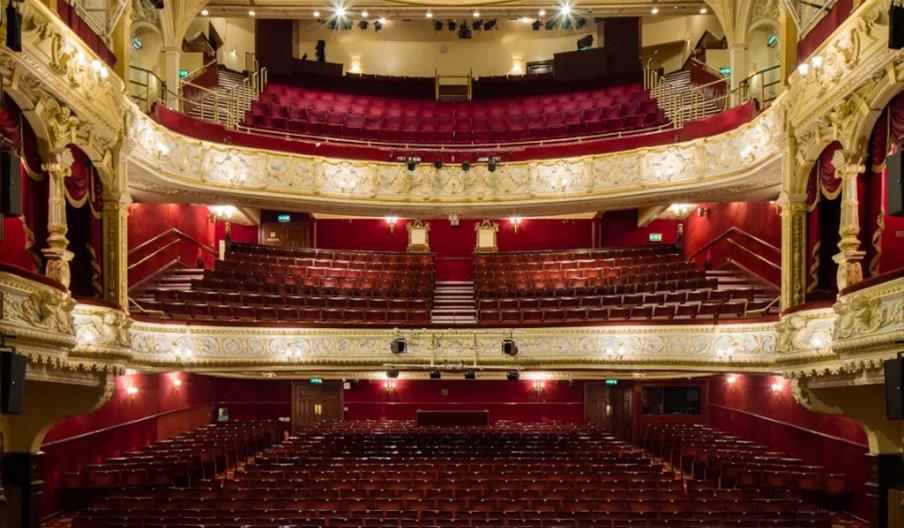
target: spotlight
654 11
476 14
438 164
512 375
581 23
470 375
316 14
565 10
340 11
438 25
363 24
452 25
429 14
392 373
435 374
536 25
465 166
251 12
542 12
491 166
551 24
464 32
378 26
478 24
489 25
509 348
364 14
398 345
411 164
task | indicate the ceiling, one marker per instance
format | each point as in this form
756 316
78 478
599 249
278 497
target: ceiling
444 9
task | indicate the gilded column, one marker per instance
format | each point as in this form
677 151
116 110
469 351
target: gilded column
58 166
737 59
848 166
794 248
116 272
172 57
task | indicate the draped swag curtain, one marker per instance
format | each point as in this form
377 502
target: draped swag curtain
18 135
823 216
84 205
877 233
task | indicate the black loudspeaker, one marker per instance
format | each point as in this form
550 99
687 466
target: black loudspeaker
12 382
398 346
509 348
10 184
894 182
894 398
13 27
896 26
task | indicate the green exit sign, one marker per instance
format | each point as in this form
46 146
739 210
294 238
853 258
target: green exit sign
611 382
284 218
183 74
316 381
725 70
655 237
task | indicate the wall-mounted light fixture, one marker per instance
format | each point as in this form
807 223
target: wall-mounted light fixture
391 221
515 222
389 386
539 386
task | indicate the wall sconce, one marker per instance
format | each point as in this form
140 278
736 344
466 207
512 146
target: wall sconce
177 381
389 386
391 221
539 387
731 380
778 385
515 221
356 65
703 212
131 391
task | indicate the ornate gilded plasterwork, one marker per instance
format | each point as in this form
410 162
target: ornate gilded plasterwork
103 335
39 316
749 346
172 163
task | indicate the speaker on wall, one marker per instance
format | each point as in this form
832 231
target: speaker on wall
894 182
894 379
12 382
10 184
896 26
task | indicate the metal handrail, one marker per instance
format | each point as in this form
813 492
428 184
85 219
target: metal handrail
757 256
744 85
726 234
197 72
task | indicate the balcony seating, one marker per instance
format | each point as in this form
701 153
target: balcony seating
644 283
178 461
381 474
269 284
612 110
707 454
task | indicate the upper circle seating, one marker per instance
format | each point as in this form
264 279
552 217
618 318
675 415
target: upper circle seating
612 110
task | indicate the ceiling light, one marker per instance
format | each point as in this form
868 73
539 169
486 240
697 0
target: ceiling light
429 14
251 12
525 20
364 14
565 9
703 10
654 11
542 12
340 11
381 20
475 14
203 12
316 13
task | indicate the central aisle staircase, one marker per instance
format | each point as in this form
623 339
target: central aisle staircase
453 303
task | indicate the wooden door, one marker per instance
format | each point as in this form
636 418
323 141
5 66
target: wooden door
315 402
596 404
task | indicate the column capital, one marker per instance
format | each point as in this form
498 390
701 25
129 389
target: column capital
58 162
791 203
848 164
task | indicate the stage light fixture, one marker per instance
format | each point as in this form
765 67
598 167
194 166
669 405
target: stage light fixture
392 373
464 32
551 24
340 11
509 348
438 25
491 166
465 166
537 25
378 26
489 25
435 374
363 24
438 164
452 25
411 164
512 375
470 375
398 346
581 23
478 24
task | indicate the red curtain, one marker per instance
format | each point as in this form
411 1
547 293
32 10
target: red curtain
822 188
84 200
18 135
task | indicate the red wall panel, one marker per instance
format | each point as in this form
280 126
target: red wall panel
619 229
12 244
759 219
149 220
160 409
752 409
254 399
505 400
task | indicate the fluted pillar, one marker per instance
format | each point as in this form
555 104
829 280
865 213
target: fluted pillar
58 167
172 57
116 273
794 248
848 166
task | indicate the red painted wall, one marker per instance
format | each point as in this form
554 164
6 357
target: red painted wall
159 410
254 399
12 244
505 400
759 219
619 229
752 409
244 234
454 246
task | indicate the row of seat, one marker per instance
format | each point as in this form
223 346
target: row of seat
317 113
252 314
